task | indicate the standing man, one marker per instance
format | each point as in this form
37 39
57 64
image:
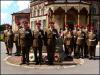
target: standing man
65 33
5 38
26 42
85 30
59 45
50 36
9 40
68 41
80 43
74 40
38 38
92 42
17 41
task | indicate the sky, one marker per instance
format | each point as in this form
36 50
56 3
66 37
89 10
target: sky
9 7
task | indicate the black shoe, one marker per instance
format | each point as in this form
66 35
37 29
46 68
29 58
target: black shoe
93 57
17 54
85 56
22 63
27 63
50 64
90 58
7 53
10 54
40 63
36 63
82 57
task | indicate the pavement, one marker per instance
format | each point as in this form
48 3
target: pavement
10 65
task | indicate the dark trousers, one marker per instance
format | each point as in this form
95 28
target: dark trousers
74 49
50 53
25 54
85 50
36 50
6 48
68 50
18 48
91 50
80 51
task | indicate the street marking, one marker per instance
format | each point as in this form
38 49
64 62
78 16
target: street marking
11 64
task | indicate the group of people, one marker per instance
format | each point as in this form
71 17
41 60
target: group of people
80 41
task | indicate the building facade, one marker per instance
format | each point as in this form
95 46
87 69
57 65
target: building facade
62 12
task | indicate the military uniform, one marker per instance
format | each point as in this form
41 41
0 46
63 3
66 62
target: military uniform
92 42
50 38
74 41
60 46
5 40
16 40
80 43
38 38
85 43
68 41
25 36
9 41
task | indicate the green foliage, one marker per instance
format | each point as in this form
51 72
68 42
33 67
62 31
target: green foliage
1 28
1 37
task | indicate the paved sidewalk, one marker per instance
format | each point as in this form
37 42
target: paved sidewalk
17 60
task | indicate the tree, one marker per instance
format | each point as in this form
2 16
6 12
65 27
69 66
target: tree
2 27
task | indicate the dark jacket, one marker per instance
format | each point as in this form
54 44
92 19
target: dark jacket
28 37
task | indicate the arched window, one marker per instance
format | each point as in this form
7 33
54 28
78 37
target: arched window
93 10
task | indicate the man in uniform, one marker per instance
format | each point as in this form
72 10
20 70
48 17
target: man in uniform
65 32
9 38
50 36
85 30
74 38
38 38
92 42
68 41
5 38
26 42
80 43
17 41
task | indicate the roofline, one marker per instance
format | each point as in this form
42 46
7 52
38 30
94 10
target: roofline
19 13
33 4
69 3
